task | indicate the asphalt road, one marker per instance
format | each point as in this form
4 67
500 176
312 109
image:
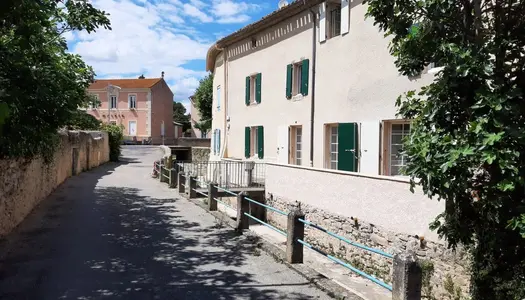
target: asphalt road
116 233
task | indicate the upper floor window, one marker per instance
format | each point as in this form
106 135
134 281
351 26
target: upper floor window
132 101
297 79
253 89
113 101
334 20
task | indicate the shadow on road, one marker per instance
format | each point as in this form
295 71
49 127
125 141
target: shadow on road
88 241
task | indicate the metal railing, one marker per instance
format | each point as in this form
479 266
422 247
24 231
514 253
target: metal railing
191 181
225 173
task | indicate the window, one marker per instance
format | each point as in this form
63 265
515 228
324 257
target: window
132 101
334 20
216 141
297 79
204 135
253 89
397 160
254 141
113 102
219 98
296 143
333 135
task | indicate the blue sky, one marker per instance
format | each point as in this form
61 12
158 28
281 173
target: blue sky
151 36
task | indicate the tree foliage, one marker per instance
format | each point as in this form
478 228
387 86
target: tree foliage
116 137
41 84
204 101
467 144
180 115
83 121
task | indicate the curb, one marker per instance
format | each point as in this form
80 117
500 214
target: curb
319 280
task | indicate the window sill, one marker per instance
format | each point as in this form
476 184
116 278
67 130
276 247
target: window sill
297 97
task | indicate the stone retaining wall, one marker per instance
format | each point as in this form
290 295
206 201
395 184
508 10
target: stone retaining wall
24 183
446 262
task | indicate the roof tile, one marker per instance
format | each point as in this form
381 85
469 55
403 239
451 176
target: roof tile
100 84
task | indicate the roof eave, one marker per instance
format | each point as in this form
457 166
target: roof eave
253 28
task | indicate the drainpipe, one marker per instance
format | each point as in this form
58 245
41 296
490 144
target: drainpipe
312 108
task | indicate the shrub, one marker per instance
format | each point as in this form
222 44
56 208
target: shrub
116 136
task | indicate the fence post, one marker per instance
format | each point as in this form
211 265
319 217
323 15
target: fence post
181 182
295 230
406 277
163 174
249 172
212 194
193 186
173 178
243 206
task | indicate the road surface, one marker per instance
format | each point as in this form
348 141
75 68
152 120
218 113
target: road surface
116 233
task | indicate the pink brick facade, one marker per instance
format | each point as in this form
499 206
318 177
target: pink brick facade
154 107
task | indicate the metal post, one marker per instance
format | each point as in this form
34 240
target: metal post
295 228
161 173
181 182
243 206
249 172
406 277
212 194
173 178
193 186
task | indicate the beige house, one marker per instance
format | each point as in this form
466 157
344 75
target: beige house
311 84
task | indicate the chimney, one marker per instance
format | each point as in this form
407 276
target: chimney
162 74
142 76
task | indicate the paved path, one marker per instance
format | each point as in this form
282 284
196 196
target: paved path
115 233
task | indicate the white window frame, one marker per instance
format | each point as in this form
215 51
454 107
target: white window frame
334 19
95 104
296 142
132 101
254 141
129 127
111 97
253 89
332 157
297 78
388 145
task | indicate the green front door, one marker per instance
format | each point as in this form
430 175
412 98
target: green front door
347 149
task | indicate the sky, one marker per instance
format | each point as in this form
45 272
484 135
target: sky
151 36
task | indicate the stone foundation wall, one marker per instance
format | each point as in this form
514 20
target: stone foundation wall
200 153
192 142
446 262
24 183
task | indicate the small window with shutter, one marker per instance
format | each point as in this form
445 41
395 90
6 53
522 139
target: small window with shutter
297 79
253 89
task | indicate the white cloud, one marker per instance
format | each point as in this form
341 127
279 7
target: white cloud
144 40
234 19
228 11
193 11
183 89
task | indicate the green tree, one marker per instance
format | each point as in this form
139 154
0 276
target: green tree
83 121
204 101
467 144
180 115
41 84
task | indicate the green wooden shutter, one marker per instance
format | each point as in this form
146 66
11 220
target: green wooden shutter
258 81
247 100
247 133
304 76
260 141
289 70
347 150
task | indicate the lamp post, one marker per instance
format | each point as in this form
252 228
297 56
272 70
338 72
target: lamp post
112 89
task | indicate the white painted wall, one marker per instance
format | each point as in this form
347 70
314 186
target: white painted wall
356 81
381 200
